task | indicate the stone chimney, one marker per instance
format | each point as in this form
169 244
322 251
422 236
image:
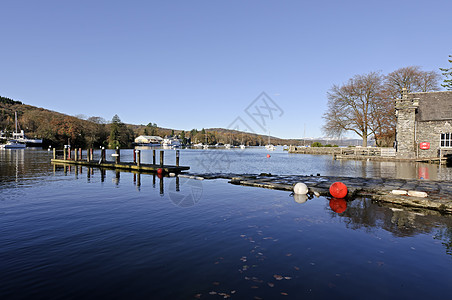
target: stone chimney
405 128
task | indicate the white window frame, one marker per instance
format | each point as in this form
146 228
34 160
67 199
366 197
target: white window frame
445 140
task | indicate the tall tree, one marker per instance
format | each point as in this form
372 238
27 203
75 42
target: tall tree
352 106
447 72
120 134
413 79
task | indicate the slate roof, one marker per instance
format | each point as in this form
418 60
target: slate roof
433 106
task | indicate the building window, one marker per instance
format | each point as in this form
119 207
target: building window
446 139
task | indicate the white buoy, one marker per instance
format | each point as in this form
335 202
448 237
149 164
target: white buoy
300 188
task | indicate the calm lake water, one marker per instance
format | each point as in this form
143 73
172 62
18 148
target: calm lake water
79 233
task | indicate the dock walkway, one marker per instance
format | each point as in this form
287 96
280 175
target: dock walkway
136 165
124 166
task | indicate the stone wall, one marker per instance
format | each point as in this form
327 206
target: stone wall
430 131
315 150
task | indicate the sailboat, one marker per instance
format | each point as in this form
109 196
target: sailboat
269 146
242 146
14 143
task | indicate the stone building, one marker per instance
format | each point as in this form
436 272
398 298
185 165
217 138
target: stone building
424 124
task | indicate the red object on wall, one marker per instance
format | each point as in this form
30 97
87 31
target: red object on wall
424 145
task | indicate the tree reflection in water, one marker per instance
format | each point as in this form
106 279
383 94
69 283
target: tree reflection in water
400 221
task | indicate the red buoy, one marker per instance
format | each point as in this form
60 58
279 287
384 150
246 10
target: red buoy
338 190
159 171
268 155
338 205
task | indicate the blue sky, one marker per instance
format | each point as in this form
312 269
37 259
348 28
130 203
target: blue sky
193 64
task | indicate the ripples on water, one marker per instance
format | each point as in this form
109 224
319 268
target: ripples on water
65 234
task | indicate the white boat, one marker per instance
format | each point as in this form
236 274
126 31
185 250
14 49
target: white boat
205 146
270 147
242 147
227 146
171 143
19 140
13 144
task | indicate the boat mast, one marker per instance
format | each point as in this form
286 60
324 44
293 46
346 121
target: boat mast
15 120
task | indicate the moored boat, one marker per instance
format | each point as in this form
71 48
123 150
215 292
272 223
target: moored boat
13 144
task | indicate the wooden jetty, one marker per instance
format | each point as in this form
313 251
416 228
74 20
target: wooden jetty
75 158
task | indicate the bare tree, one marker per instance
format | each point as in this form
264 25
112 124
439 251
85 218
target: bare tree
413 79
354 106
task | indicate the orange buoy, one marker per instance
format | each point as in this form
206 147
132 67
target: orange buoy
338 205
338 190
159 171
268 155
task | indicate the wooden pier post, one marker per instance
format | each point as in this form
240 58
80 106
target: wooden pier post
54 153
177 158
153 157
117 157
88 152
134 156
161 184
161 158
138 157
65 153
75 154
91 154
80 153
102 154
69 153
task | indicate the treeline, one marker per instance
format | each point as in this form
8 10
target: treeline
5 100
57 129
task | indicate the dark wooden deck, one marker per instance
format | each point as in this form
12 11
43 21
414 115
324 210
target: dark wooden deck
130 166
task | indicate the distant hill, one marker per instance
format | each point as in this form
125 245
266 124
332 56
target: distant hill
58 129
